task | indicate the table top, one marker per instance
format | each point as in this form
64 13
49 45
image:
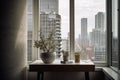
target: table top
58 62
84 65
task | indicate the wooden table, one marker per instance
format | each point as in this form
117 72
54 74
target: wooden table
39 67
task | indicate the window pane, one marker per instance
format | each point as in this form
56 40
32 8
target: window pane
54 16
90 29
114 34
64 12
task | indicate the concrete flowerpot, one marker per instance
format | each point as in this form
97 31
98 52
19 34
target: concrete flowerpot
65 58
77 58
47 58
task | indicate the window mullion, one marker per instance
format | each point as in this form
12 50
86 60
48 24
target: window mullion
35 28
109 31
119 32
71 28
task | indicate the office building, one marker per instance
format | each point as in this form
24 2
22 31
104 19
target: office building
100 21
51 22
84 34
49 6
98 37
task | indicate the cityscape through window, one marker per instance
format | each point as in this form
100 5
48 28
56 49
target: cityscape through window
90 27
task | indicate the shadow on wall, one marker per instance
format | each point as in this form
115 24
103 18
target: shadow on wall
13 38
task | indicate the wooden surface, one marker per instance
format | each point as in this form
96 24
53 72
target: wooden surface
56 66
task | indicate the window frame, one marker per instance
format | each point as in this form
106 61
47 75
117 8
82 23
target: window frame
109 36
109 30
35 25
72 29
119 32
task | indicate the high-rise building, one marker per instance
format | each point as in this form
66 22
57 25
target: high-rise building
99 53
100 21
84 34
49 6
84 28
50 20
98 37
98 41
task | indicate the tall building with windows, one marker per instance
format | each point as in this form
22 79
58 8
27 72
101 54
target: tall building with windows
50 20
98 42
49 6
100 21
98 37
84 33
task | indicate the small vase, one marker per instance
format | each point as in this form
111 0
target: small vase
47 57
65 58
77 58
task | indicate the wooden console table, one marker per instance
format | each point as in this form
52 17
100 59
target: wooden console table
39 67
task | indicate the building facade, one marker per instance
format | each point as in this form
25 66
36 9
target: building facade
98 37
84 33
49 6
100 21
51 22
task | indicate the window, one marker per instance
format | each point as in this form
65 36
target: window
87 32
54 15
90 29
115 48
64 13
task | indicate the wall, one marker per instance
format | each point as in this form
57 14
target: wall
13 37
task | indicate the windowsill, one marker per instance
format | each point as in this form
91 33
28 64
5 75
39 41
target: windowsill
111 73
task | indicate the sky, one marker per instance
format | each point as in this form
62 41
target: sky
83 9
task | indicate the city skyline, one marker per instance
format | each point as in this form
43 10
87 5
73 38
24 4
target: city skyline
83 9
46 24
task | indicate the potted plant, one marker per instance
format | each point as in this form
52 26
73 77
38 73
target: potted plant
47 45
65 55
77 57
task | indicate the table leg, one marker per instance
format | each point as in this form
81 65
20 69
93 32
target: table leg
87 76
40 75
